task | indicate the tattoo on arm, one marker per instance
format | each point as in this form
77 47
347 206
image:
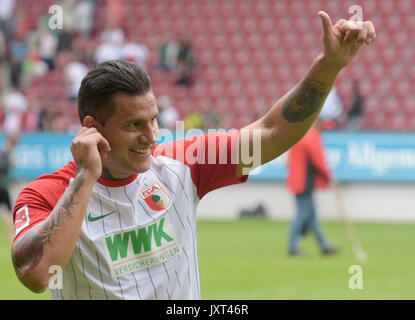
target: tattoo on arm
27 252
304 100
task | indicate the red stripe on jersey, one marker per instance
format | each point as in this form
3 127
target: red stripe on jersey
117 183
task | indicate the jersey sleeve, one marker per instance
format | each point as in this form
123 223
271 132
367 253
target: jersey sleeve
36 201
211 157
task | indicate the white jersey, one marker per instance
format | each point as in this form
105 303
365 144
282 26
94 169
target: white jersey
138 239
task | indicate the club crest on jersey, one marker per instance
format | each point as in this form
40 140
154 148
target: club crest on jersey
155 197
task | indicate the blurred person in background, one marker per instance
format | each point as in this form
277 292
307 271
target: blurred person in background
168 114
307 171
5 163
194 120
186 62
112 39
212 118
167 53
355 112
17 55
136 52
31 118
113 34
3 51
68 9
50 118
84 18
333 109
48 45
17 46
15 105
75 70
64 40
33 65
7 8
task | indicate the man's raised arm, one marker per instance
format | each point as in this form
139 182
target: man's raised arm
290 117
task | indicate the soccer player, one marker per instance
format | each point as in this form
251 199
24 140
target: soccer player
120 220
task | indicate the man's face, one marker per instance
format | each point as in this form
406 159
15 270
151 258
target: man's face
131 132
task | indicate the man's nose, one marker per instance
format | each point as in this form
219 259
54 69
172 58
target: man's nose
149 135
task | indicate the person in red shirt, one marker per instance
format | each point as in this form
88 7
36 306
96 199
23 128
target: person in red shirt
307 171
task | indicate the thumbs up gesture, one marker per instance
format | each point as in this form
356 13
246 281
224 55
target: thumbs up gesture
342 41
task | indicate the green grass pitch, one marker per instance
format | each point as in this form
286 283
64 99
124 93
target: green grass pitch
246 259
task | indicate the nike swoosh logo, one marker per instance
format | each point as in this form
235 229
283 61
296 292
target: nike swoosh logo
92 219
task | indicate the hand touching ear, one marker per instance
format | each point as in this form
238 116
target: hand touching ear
89 148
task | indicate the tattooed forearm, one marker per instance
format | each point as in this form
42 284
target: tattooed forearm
27 252
304 100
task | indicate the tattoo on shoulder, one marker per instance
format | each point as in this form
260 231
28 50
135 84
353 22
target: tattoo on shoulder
28 251
304 100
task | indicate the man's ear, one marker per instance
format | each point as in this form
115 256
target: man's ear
91 122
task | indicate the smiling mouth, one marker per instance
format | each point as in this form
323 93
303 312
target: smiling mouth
143 151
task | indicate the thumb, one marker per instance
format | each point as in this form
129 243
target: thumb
326 21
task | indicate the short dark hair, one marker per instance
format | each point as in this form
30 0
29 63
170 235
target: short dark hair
101 83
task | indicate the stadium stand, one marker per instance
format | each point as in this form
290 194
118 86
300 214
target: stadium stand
246 50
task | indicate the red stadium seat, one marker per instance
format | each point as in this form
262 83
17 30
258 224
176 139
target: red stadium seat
409 103
262 48
217 90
